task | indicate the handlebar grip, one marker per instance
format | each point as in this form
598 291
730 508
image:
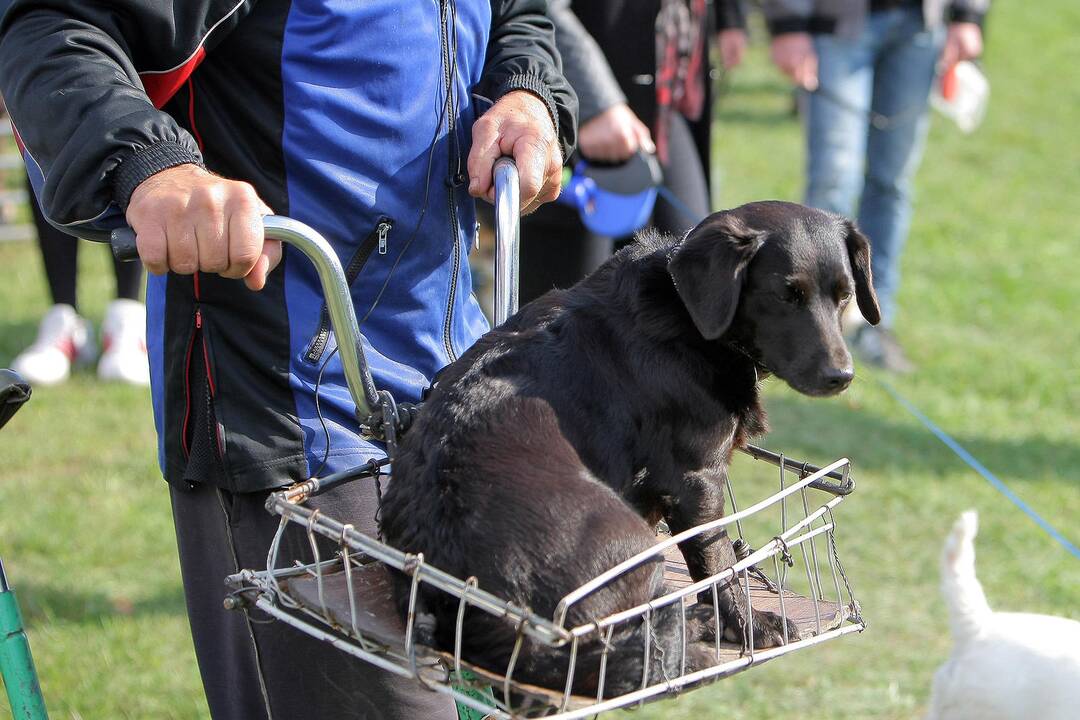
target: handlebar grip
122 241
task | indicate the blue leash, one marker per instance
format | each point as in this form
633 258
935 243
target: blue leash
978 467
940 434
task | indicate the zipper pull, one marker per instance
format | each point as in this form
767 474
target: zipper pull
198 318
384 230
476 236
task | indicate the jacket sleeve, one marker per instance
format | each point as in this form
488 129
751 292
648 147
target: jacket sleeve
787 16
968 11
584 64
84 83
521 55
731 15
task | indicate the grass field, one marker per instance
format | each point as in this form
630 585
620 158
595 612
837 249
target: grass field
988 312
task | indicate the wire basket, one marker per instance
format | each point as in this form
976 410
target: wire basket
346 599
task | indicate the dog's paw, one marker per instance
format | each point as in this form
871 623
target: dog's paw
769 629
734 610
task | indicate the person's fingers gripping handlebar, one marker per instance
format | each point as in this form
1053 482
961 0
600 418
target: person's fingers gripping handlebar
188 220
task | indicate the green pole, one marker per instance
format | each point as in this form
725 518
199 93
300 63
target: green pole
16 663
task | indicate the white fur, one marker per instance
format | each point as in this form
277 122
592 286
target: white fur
1004 666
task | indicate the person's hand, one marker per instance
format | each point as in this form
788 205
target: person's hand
614 135
732 42
520 126
794 54
963 42
187 219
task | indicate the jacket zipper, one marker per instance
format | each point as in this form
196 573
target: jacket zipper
453 160
377 239
454 268
184 444
197 334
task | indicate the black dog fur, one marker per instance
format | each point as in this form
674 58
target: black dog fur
547 453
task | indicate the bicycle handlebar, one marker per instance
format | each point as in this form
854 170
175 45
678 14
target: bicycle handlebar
338 297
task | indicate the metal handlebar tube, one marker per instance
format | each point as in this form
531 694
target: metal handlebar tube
16 662
338 303
335 288
507 238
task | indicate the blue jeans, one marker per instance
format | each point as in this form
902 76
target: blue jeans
866 128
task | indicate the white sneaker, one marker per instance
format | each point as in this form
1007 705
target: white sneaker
123 334
63 338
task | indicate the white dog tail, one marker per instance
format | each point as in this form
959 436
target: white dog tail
968 609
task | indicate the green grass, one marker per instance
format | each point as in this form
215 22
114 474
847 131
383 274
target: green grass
988 302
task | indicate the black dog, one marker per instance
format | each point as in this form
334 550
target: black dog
547 453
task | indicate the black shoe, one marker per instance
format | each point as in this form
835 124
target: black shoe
878 347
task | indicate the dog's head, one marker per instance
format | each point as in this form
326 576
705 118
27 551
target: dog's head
772 279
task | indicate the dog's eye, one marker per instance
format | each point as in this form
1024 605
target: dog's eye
844 299
791 294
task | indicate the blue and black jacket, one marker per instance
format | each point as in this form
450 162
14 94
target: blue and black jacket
353 117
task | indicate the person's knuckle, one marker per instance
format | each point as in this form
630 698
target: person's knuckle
243 253
485 125
184 264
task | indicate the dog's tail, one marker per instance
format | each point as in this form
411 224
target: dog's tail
968 609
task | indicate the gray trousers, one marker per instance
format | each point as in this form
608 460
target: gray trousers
257 669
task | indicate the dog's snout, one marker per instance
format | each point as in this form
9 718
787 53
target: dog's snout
838 378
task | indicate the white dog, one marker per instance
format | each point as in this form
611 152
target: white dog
1004 666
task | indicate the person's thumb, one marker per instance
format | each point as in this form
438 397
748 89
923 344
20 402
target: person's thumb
268 260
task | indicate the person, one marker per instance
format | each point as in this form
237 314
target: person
189 122
641 74
869 67
65 338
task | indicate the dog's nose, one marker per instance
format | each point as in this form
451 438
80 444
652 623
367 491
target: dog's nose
839 378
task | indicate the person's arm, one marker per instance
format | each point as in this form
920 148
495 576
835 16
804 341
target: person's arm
70 72
731 32
584 64
964 40
84 82
534 117
792 47
608 130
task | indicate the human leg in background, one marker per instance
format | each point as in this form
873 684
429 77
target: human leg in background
836 122
63 337
903 79
123 331
685 179
902 83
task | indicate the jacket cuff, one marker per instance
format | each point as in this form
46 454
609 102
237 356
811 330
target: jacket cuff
790 24
535 85
731 15
815 25
966 15
146 162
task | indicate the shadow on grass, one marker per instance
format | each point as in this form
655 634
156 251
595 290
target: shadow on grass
49 603
823 431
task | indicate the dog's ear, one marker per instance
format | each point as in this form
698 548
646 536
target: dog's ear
709 267
858 248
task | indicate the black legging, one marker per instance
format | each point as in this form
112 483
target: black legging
60 254
556 248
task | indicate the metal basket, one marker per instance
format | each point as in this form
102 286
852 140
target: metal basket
346 598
